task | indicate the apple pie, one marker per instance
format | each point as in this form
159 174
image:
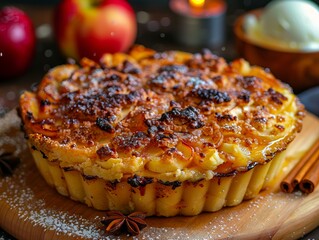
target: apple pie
166 133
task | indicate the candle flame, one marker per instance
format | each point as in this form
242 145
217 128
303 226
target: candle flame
197 3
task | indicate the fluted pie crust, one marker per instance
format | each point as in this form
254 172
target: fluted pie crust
163 133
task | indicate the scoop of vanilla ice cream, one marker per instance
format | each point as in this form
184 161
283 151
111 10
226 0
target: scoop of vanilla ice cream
286 25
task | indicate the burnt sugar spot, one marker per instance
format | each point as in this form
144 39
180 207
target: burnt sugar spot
104 125
190 116
213 95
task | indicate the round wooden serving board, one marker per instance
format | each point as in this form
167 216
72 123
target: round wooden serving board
29 209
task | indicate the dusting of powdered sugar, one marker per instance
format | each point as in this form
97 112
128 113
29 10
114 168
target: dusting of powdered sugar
22 200
71 225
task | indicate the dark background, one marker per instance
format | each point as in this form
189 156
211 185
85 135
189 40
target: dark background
151 4
157 10
147 3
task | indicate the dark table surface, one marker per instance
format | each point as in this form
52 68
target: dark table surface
47 56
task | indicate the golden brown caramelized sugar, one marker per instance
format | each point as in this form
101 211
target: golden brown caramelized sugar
163 113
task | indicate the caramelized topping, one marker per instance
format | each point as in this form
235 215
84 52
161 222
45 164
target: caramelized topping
244 95
226 117
131 141
171 106
128 67
105 152
275 96
174 68
104 124
249 82
211 95
189 116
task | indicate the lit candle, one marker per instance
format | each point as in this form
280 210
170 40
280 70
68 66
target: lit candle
197 3
199 23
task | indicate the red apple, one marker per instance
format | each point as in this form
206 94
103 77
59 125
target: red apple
17 42
89 28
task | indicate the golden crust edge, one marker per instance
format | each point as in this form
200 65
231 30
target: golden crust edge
158 198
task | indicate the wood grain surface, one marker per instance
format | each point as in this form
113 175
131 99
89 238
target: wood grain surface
29 209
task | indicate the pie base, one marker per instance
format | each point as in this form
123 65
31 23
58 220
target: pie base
156 198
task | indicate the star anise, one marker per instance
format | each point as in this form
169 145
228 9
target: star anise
117 223
7 163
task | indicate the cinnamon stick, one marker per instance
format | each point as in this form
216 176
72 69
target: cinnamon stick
293 178
297 179
311 179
